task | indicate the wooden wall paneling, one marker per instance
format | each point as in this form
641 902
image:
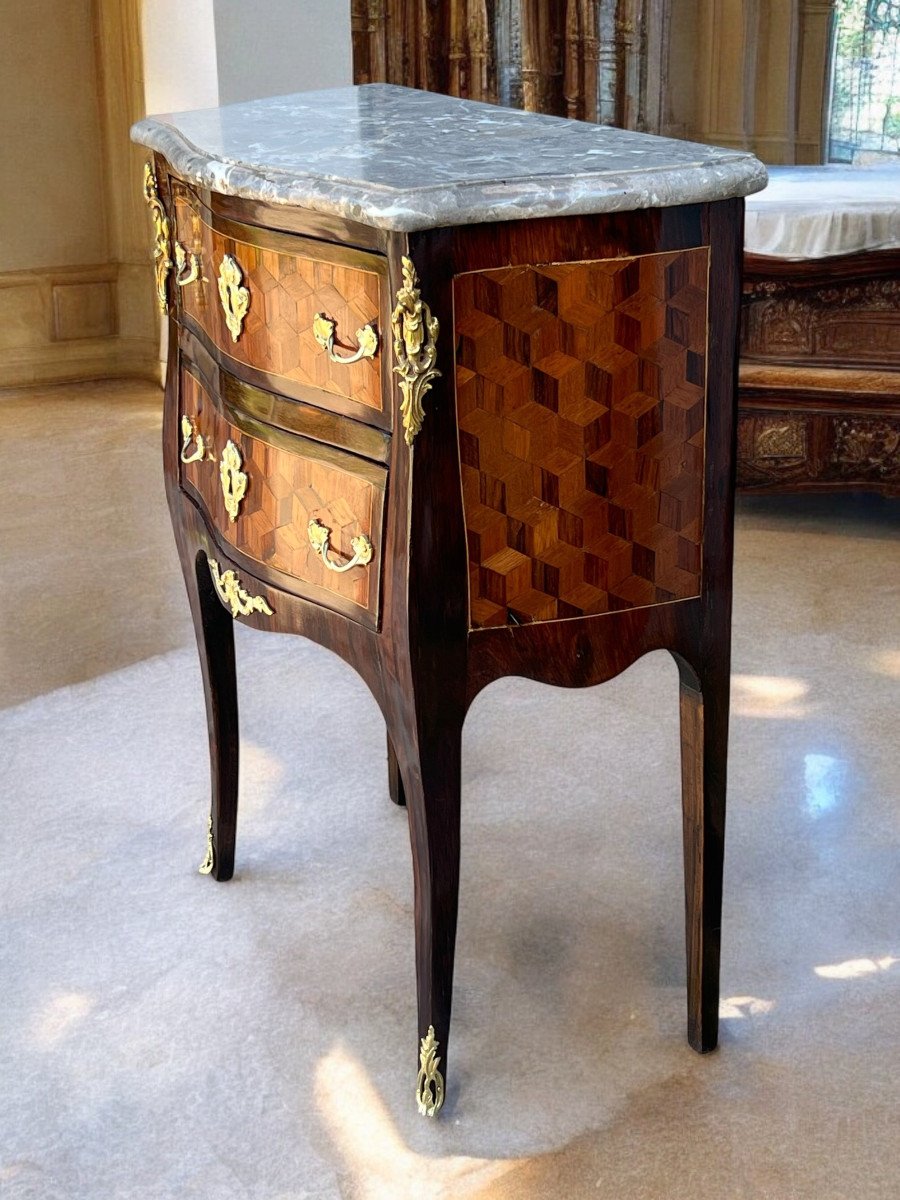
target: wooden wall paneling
543 51
579 58
361 40
88 243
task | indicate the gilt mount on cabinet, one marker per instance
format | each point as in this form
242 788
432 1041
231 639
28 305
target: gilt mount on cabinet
523 465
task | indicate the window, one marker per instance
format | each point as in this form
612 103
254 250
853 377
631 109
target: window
864 124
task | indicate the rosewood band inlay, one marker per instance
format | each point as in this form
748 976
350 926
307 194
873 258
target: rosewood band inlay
581 408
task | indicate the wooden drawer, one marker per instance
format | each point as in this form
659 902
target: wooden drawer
284 281
304 504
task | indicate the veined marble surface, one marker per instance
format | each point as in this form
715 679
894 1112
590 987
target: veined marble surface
402 159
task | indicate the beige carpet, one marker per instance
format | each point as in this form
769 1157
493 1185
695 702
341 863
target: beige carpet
165 1036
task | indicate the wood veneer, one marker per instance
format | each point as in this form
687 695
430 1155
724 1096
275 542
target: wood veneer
580 397
423 662
291 481
290 280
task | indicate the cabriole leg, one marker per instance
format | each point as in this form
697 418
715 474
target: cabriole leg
431 777
214 630
395 782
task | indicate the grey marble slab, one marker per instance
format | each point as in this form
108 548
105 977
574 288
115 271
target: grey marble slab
402 159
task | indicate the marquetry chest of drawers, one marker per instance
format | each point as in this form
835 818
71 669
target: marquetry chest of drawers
451 391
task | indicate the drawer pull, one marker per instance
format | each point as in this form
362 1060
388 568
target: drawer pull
320 540
189 434
233 596
323 331
187 265
235 298
162 261
233 479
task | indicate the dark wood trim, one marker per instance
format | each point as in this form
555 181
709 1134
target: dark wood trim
809 272
338 231
314 397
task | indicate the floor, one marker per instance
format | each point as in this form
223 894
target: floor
93 581
165 1036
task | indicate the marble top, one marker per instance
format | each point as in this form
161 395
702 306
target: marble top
403 159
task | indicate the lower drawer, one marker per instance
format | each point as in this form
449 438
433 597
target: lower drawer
310 512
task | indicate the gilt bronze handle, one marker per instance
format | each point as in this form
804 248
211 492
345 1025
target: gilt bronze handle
320 540
187 265
189 434
367 339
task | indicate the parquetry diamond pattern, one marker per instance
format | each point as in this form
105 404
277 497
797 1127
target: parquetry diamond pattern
581 407
284 492
286 292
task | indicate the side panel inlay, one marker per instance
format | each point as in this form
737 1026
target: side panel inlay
581 406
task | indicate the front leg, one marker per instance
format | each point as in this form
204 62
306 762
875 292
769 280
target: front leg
214 630
430 765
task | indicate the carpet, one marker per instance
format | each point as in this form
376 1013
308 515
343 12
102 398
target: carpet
163 1036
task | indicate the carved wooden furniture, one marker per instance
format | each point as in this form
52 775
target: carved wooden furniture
820 336
454 423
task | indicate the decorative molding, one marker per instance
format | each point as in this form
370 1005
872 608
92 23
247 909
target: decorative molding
870 446
781 439
429 1081
83 309
415 333
233 595
849 323
783 449
45 342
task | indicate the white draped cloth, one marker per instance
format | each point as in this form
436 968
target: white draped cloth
818 212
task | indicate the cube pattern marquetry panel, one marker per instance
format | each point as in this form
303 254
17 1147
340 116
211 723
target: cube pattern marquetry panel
286 490
286 292
581 400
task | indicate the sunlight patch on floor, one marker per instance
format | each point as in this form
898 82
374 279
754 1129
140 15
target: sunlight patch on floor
886 662
58 1018
768 696
855 968
382 1165
740 1007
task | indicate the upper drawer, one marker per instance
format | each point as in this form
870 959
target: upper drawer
269 300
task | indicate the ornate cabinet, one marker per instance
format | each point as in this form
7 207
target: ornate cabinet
451 391
820 373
